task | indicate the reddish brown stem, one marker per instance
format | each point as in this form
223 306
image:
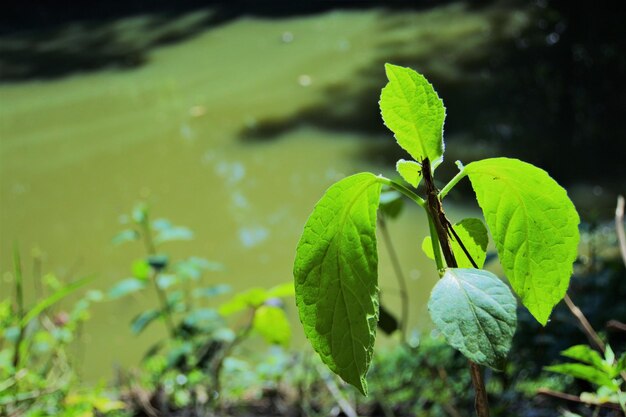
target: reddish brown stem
442 226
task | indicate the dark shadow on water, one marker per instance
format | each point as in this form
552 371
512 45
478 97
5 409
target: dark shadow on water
43 40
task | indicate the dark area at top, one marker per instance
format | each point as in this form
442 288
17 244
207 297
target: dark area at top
33 14
555 95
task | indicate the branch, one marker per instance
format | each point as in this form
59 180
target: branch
584 324
573 398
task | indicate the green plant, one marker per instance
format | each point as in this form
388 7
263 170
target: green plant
532 221
185 368
607 373
37 375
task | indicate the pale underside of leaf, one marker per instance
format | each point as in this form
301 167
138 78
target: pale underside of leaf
336 277
476 312
413 111
535 228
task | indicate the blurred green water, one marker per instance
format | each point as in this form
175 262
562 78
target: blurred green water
234 132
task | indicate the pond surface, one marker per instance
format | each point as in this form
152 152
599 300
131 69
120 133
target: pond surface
225 133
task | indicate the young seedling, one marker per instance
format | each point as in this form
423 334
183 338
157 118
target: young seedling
532 221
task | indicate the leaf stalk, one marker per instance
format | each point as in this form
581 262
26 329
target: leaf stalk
458 177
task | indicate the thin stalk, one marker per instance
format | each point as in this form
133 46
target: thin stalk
586 327
146 233
573 398
165 308
395 262
441 225
458 177
147 236
462 245
403 190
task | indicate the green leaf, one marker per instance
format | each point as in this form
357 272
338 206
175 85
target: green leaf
427 247
585 354
200 316
475 311
413 111
125 287
142 320
173 233
336 270
210 292
271 323
535 228
141 269
580 371
609 355
165 281
127 235
410 171
473 234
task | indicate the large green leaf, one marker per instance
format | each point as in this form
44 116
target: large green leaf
473 234
475 311
535 228
335 272
413 111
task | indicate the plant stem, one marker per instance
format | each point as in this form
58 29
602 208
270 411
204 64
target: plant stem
403 190
146 233
574 398
165 308
440 224
434 240
458 177
395 262
584 324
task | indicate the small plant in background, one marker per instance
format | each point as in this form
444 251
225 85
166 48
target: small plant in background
532 221
185 370
37 374
606 373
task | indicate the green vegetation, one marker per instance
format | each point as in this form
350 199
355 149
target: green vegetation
532 221
37 373
185 369
201 364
